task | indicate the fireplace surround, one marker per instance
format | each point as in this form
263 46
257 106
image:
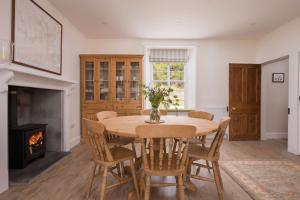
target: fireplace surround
34 124
68 90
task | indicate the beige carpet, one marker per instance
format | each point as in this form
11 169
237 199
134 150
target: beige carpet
266 180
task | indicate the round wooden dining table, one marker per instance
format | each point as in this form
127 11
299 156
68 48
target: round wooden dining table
125 125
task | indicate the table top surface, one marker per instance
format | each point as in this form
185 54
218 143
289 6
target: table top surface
125 125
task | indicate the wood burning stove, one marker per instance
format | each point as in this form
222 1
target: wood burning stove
26 143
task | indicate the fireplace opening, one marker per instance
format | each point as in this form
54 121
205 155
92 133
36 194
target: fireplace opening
35 131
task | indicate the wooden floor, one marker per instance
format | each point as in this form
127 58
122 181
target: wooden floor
66 179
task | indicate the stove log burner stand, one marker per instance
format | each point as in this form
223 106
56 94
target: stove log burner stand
26 143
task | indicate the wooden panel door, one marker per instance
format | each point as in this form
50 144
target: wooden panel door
244 101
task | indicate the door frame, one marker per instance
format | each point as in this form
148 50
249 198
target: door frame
294 91
263 103
293 94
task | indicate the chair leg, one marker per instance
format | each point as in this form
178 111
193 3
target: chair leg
188 169
119 169
134 150
122 169
103 184
180 188
218 180
142 183
220 177
185 171
208 166
147 188
198 171
134 179
91 180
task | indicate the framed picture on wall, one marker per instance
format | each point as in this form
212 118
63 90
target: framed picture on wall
36 37
278 77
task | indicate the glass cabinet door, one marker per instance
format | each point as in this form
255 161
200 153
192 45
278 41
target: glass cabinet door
104 81
89 81
134 80
120 80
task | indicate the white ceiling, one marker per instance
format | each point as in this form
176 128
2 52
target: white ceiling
178 19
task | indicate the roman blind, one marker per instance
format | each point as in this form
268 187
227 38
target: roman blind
168 55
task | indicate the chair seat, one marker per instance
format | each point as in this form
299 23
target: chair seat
173 170
121 153
120 141
198 152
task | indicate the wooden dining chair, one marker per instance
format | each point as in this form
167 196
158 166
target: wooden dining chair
211 154
115 140
147 112
161 161
201 140
200 115
107 158
106 114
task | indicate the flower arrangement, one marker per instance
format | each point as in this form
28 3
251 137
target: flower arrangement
159 95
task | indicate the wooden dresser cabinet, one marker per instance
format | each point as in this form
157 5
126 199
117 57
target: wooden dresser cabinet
110 82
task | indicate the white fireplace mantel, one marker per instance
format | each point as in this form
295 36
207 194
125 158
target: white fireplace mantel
20 76
35 76
5 77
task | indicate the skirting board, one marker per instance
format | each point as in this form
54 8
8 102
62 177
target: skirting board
3 180
74 141
275 135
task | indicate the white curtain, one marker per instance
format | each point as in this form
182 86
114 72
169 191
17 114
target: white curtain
168 55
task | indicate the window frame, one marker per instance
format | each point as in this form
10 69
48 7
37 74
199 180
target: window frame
168 80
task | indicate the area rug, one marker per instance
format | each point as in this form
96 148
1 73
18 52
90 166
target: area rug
266 180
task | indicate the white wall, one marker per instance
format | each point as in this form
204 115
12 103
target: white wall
213 58
285 41
73 43
213 72
213 62
274 101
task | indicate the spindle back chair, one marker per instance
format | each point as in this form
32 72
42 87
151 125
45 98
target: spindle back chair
165 156
211 154
106 159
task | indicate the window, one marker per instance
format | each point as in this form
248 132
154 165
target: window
173 67
170 74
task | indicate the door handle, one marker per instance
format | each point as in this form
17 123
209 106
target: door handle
233 109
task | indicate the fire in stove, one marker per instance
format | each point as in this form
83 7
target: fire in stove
35 140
